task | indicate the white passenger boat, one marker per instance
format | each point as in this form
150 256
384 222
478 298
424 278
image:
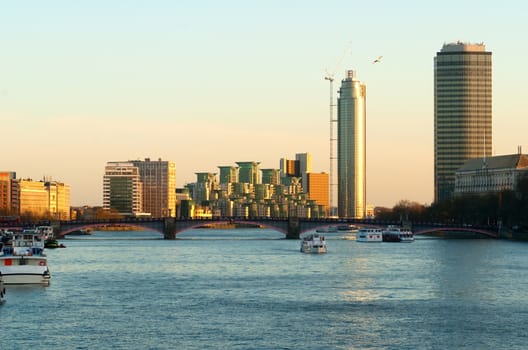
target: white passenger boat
367 234
397 234
22 258
313 243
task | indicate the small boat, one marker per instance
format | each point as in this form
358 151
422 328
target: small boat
81 232
313 243
328 229
22 258
397 234
49 237
366 234
347 228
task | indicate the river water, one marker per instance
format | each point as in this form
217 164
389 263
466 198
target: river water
250 289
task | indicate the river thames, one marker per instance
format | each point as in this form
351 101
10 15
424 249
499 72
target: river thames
250 289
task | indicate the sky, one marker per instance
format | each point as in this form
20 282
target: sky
210 83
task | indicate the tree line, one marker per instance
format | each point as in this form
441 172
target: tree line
507 208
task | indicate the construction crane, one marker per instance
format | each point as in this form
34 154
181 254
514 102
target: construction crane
333 137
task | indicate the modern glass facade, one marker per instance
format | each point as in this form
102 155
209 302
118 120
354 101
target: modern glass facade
351 147
462 111
317 187
33 198
122 188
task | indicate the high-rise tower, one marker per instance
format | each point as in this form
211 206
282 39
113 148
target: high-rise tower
462 115
122 188
159 186
351 147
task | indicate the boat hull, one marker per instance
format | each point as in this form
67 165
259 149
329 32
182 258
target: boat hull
398 237
25 278
2 291
313 250
369 235
30 271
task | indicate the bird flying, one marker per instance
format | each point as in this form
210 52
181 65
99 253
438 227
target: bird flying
378 59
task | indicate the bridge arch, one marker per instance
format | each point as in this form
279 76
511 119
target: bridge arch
482 232
194 224
66 231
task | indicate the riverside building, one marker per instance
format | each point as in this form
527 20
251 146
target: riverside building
122 188
248 172
462 111
158 180
317 187
351 147
41 199
299 167
491 175
6 178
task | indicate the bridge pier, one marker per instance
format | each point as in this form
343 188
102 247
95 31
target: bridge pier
294 228
169 228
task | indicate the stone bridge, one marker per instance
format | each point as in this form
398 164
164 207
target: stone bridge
291 227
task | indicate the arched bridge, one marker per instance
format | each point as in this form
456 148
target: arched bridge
291 227
490 232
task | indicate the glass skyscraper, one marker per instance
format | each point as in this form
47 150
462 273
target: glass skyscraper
462 111
351 147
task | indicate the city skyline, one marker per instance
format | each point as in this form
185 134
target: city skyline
205 84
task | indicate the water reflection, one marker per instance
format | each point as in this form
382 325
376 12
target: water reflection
116 235
231 234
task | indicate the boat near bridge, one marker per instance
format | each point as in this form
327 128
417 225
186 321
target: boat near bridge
369 235
22 258
397 234
313 244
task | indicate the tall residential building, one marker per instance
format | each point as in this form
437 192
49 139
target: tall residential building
122 188
296 168
288 167
271 176
228 174
205 187
351 147
6 178
158 179
305 166
248 172
462 115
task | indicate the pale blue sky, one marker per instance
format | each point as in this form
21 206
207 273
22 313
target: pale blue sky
208 83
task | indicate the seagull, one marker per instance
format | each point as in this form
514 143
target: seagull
377 59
